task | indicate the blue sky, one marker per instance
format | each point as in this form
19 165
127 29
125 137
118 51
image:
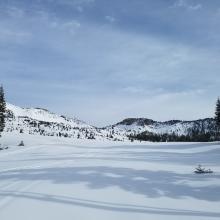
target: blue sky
102 60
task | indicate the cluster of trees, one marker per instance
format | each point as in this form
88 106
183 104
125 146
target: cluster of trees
191 137
2 110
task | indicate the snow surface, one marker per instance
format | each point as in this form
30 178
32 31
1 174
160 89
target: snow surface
61 178
40 114
43 122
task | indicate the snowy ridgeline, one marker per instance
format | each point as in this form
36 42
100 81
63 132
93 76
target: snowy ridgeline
41 121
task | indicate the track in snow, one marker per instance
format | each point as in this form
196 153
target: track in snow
69 181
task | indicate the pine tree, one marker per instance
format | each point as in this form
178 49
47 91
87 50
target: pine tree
217 112
217 115
2 109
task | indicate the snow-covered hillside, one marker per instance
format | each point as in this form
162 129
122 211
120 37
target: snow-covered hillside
138 125
43 122
40 114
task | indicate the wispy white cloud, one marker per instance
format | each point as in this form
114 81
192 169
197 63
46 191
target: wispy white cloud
8 35
186 4
195 7
78 4
132 90
111 19
69 26
15 12
79 8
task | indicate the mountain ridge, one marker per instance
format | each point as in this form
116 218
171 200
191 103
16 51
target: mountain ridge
44 122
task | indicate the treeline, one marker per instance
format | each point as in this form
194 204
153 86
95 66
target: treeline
193 137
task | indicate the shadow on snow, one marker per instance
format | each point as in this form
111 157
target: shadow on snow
152 184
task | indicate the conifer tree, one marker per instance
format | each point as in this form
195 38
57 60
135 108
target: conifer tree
217 115
2 109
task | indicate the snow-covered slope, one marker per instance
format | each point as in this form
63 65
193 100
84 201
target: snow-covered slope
43 122
136 126
40 114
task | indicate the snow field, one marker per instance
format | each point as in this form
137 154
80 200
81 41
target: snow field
55 178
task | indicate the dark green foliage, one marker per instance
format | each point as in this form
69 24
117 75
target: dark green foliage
217 113
217 119
193 136
21 144
91 136
2 109
138 121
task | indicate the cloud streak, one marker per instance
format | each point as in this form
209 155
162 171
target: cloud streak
186 4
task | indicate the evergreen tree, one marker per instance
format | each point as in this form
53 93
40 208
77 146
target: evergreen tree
217 115
217 112
2 109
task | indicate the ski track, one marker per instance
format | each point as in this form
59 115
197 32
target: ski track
17 186
20 186
112 183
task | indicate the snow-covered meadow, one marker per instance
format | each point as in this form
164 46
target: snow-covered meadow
58 178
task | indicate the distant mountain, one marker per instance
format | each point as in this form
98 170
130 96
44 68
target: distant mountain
146 128
41 121
138 125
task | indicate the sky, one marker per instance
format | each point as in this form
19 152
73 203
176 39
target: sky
106 60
